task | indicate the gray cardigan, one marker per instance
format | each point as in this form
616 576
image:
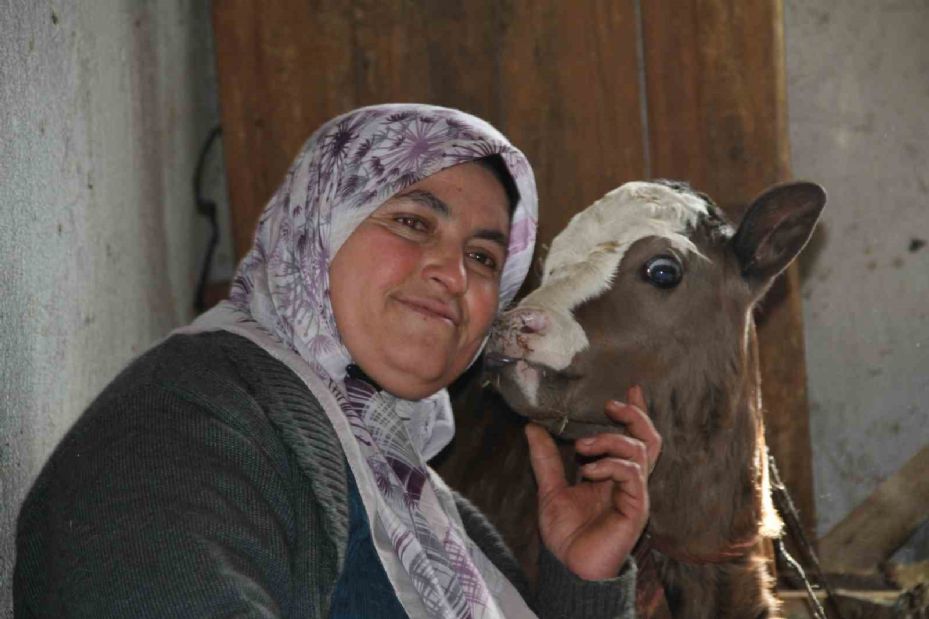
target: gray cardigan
206 481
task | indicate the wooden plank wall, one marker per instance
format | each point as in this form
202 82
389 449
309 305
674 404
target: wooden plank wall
596 92
527 67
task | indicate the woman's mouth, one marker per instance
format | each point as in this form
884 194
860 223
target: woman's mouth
436 310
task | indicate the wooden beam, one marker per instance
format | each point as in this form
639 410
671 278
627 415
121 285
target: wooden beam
881 523
714 75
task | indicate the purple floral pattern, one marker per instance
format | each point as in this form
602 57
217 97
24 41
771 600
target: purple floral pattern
347 169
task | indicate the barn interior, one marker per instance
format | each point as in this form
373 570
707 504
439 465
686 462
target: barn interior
115 178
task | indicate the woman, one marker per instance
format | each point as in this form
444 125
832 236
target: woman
269 460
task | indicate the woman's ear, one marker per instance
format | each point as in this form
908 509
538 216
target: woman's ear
776 226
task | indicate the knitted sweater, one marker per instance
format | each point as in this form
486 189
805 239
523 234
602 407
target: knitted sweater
206 481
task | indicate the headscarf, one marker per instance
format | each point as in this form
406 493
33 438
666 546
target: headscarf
280 300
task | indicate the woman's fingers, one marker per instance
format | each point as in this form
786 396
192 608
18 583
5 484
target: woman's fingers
630 478
637 422
616 446
546 461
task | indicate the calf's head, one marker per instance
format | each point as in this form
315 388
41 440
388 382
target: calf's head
650 285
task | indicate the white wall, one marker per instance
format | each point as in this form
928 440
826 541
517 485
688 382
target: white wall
103 108
858 92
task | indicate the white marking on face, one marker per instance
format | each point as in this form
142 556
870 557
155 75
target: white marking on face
528 382
584 258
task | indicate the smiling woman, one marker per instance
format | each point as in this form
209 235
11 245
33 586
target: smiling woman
271 458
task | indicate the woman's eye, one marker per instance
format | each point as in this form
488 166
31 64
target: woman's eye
663 272
414 223
484 259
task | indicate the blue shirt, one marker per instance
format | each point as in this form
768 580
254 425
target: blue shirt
363 589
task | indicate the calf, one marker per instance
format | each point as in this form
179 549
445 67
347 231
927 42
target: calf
651 285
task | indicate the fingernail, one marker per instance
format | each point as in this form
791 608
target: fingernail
616 403
592 466
586 442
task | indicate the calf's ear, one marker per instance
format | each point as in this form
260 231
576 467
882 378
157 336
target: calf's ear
776 226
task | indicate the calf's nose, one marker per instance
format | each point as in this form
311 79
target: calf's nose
511 334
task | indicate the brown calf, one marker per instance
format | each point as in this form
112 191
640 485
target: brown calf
650 286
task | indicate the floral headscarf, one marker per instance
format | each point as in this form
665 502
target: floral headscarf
280 300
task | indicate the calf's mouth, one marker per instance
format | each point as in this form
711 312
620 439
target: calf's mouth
551 406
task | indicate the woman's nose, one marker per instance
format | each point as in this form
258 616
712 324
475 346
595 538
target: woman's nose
446 266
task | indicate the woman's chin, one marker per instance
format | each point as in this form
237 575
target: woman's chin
408 389
415 363
415 378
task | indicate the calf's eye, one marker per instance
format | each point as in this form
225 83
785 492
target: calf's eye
663 272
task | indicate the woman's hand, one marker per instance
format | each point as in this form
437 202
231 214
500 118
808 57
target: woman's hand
593 525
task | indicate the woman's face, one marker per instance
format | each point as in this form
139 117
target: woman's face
414 288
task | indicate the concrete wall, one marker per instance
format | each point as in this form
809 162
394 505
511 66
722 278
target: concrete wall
858 92
103 108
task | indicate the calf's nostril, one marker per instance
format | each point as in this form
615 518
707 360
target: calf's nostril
532 321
